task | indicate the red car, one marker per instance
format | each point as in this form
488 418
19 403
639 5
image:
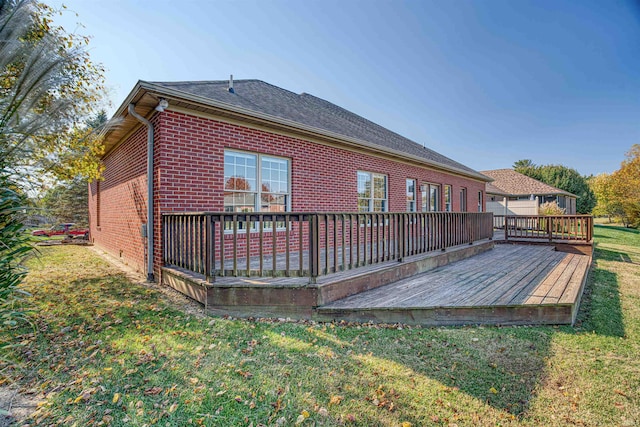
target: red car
63 230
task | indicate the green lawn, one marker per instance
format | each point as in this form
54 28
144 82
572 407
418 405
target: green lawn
110 352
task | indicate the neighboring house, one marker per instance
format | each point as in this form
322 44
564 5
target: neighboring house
516 194
249 146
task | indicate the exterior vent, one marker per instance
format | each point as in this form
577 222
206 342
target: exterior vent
231 84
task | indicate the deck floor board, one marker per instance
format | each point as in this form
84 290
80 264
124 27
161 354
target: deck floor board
506 275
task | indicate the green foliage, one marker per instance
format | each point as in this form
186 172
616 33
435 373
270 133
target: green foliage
14 248
618 194
551 209
608 203
561 177
48 88
67 201
625 184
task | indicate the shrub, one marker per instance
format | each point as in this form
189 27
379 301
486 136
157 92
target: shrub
14 248
550 209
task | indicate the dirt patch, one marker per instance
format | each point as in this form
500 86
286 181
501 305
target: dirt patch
19 406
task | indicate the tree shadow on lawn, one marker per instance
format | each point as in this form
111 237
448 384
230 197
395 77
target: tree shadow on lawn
601 310
447 373
104 327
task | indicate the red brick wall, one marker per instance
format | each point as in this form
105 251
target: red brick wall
323 178
123 201
189 168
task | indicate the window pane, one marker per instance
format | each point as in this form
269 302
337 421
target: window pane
239 202
434 198
239 171
447 198
379 205
273 202
363 205
364 185
275 178
379 187
411 195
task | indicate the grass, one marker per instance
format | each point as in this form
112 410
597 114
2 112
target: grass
111 352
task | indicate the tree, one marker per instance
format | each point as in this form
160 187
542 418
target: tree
625 187
607 201
48 87
67 201
561 177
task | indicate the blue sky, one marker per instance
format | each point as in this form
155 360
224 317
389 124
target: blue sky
483 82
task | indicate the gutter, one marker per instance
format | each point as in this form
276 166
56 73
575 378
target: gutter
150 217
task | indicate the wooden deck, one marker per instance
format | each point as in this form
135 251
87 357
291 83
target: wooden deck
481 283
511 284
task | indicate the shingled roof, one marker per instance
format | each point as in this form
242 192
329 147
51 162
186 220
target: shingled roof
516 184
311 111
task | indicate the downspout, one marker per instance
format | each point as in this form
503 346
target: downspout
150 216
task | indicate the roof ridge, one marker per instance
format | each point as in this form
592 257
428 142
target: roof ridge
312 111
201 82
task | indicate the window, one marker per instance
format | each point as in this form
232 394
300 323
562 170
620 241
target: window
447 198
430 197
479 201
243 172
463 200
372 192
411 195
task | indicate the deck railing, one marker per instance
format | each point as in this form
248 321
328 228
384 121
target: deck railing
556 228
309 244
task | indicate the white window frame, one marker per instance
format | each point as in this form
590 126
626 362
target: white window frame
412 204
426 188
258 191
480 201
448 195
371 199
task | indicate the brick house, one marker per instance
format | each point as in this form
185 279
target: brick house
245 146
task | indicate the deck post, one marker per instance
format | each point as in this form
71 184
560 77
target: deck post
314 248
208 248
550 225
400 237
506 228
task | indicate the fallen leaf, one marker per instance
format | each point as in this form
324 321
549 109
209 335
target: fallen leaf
493 390
116 398
153 391
335 400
